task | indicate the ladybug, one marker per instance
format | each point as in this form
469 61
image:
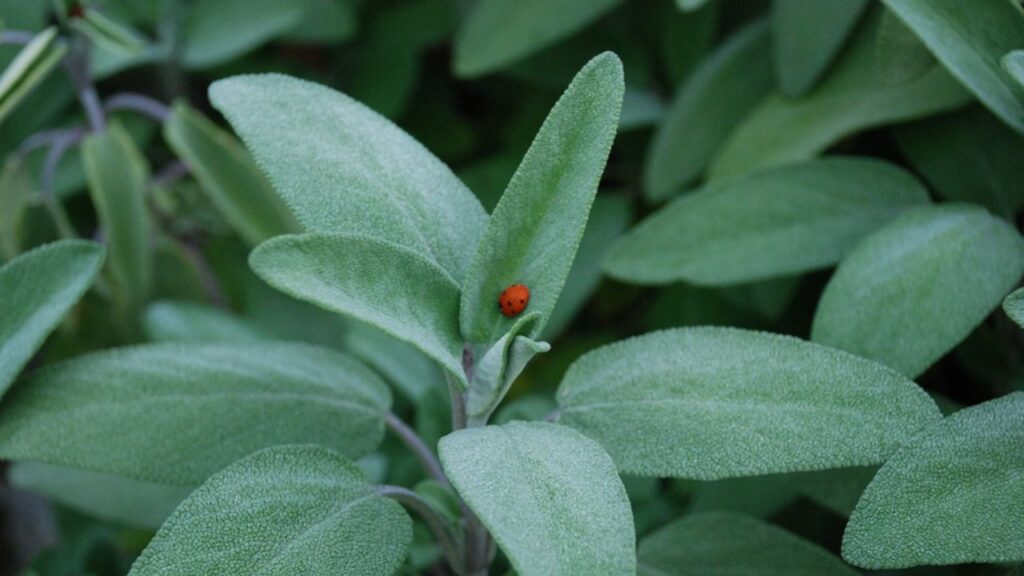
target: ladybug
514 300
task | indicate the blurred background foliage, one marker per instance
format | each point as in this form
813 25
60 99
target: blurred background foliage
713 89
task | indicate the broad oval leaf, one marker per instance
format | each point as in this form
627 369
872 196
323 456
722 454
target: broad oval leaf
36 290
117 175
342 168
711 403
770 223
723 89
854 96
970 39
229 176
550 497
916 288
176 413
807 36
537 225
1013 305
216 31
735 545
953 494
29 68
382 284
500 32
284 510
107 496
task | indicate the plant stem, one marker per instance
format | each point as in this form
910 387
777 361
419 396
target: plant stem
418 447
139 103
458 403
77 62
437 525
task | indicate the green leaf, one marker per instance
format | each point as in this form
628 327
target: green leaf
953 494
690 5
229 175
498 33
1013 305
838 489
176 413
325 22
30 67
108 33
16 196
550 497
499 366
706 109
117 175
382 284
732 545
169 321
217 31
970 40
988 168
808 34
342 168
770 223
403 365
537 225
284 510
854 96
912 291
711 403
1013 63
106 496
36 290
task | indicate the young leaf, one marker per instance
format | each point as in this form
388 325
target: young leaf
1013 305
732 544
953 494
36 290
170 321
988 167
109 497
912 291
229 175
499 32
723 89
711 403
30 67
217 31
344 169
550 496
770 223
535 229
807 36
284 510
117 175
970 39
176 413
854 96
383 284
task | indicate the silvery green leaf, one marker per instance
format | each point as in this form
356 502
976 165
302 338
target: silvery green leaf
1013 305
499 366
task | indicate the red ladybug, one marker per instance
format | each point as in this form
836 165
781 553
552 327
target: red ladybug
514 300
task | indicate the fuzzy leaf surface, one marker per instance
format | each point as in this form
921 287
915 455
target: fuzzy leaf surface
913 290
550 496
712 403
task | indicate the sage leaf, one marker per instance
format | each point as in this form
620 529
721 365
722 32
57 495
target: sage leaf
912 291
37 289
109 34
770 223
283 510
970 40
497 33
712 403
1013 305
550 497
325 22
117 176
29 68
807 36
342 168
382 284
113 498
402 364
176 413
535 229
953 494
251 24
170 321
987 170
1013 63
229 175
854 96
499 366
732 544
720 93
